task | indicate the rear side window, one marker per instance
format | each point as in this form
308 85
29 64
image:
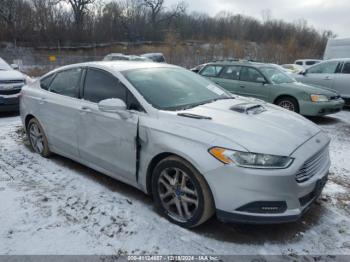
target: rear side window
45 82
230 72
100 85
67 83
324 68
346 68
211 70
249 74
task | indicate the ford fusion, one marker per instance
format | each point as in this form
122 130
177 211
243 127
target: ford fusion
197 149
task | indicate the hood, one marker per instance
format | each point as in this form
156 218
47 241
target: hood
11 75
256 126
313 89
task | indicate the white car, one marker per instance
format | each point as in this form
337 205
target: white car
197 149
306 63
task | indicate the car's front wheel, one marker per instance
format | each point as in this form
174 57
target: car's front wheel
37 138
288 103
181 193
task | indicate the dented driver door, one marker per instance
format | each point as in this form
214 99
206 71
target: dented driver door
108 141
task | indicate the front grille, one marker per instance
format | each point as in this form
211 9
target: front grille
10 91
11 82
312 166
335 97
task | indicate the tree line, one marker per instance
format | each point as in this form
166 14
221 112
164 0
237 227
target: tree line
68 22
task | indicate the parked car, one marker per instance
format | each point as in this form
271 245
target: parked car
155 57
197 149
306 63
122 57
333 74
268 83
293 68
11 83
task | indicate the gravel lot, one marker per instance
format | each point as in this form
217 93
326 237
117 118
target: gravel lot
56 206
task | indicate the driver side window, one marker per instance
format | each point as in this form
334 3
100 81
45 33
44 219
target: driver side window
324 68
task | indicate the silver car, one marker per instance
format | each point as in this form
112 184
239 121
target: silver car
11 82
175 135
334 74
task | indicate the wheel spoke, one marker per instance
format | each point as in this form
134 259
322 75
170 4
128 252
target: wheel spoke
185 206
177 176
166 194
189 191
189 200
32 133
183 181
165 184
170 202
39 145
178 207
167 177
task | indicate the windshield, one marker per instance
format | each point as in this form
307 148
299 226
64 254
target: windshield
276 76
4 65
174 88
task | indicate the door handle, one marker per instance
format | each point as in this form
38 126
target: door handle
242 86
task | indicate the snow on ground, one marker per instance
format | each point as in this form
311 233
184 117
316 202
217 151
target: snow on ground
56 206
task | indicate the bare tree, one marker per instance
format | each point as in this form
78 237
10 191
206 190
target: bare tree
158 14
80 8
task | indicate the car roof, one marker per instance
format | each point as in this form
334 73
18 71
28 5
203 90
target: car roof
240 63
118 66
338 59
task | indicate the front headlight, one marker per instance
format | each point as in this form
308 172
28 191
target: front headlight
250 160
319 98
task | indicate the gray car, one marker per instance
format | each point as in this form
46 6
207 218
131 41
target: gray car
11 83
333 74
197 149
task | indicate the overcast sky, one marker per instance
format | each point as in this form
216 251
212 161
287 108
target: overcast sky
322 14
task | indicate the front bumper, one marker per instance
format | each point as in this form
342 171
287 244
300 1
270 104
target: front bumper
9 103
236 190
308 108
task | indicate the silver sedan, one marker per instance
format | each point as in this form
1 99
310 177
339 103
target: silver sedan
175 135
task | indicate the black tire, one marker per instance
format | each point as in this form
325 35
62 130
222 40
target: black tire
204 208
45 151
288 103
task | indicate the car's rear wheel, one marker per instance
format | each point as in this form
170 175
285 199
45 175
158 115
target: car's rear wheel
288 103
181 193
37 138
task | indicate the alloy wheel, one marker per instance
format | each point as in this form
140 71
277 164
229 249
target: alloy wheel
287 105
178 194
36 138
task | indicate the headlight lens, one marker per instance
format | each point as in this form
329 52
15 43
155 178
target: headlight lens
250 160
319 98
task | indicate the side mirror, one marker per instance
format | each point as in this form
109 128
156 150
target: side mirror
15 66
114 105
261 80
